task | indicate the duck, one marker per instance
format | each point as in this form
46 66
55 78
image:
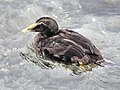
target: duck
62 44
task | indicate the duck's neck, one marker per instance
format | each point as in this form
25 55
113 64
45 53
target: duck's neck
48 33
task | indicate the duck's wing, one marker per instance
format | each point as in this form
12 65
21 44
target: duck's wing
85 43
65 48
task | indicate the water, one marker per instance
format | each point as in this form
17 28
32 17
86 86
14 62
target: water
96 19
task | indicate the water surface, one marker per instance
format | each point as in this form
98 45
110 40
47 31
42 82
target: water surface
96 19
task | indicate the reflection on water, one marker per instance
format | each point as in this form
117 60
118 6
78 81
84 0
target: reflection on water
45 63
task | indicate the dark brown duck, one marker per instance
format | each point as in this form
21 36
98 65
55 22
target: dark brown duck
63 44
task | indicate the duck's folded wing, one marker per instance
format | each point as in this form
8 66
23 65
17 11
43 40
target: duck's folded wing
81 40
66 48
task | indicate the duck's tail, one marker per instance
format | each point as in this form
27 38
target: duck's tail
106 62
109 63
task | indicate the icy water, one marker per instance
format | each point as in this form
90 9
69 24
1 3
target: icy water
99 20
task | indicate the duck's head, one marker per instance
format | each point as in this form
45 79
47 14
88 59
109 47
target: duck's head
45 25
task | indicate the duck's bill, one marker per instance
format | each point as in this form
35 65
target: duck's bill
29 28
25 30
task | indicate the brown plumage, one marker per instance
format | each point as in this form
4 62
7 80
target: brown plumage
63 44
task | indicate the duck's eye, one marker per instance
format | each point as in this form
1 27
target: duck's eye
39 26
47 22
